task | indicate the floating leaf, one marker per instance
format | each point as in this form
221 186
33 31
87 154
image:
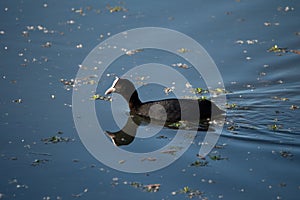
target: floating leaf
152 187
231 106
55 139
117 9
199 163
136 184
99 97
216 157
185 189
175 125
277 49
190 193
198 90
274 127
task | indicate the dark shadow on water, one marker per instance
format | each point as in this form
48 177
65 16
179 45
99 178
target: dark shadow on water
127 134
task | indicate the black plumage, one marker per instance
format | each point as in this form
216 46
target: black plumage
168 110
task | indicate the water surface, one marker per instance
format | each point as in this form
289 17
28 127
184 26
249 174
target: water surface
42 42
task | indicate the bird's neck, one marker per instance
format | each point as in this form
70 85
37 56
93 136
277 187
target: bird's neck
134 101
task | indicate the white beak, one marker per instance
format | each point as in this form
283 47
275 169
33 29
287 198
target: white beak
112 88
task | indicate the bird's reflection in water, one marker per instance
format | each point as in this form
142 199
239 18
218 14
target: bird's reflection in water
127 134
195 113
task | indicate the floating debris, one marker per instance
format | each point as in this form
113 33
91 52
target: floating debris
181 65
280 50
17 101
188 85
56 139
172 150
168 90
191 193
149 159
80 194
75 160
41 154
25 33
116 9
277 49
37 162
99 97
199 163
115 181
79 11
218 91
286 154
199 90
136 184
152 187
274 127
295 51
122 161
69 84
132 52
294 107
147 188
13 158
232 128
239 42
221 146
250 42
71 21
269 23
280 98
79 46
182 50
162 137
217 157
68 105
47 45
176 125
18 185
285 9
231 106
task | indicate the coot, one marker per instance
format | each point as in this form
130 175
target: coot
166 110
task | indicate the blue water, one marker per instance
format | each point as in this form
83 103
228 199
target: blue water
39 46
